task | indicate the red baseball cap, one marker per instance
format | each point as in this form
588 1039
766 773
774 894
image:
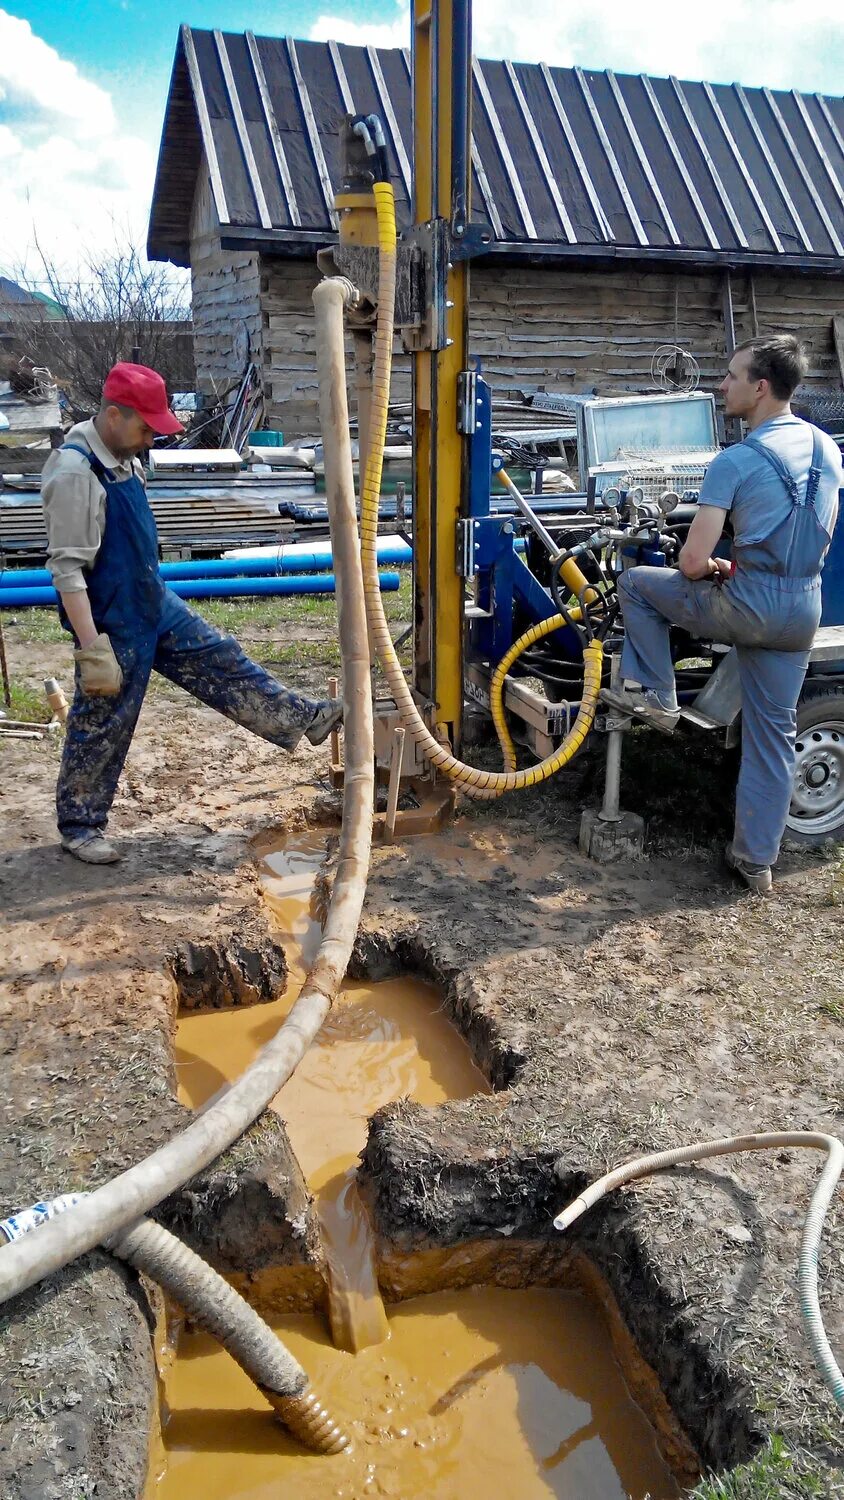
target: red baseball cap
143 389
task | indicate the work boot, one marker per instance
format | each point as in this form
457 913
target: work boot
658 705
91 847
328 716
756 877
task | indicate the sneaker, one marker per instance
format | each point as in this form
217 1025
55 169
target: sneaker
756 877
91 847
328 716
657 706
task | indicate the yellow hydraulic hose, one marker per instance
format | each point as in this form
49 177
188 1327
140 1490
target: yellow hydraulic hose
582 724
483 785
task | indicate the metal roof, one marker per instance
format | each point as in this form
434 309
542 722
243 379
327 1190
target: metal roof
567 162
11 292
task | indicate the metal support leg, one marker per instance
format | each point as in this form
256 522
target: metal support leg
612 775
611 835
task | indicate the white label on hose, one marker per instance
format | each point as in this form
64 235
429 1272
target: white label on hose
24 1219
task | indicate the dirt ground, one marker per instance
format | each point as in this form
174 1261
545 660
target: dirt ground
615 1010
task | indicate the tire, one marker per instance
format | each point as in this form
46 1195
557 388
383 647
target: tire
816 814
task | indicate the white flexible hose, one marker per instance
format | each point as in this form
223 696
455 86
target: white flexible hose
660 1161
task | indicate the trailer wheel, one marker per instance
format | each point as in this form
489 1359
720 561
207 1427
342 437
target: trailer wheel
816 813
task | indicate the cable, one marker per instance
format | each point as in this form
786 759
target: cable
674 368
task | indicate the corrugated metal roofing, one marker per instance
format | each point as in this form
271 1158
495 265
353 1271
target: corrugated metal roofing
567 162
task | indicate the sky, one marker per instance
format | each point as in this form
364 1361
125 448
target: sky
83 83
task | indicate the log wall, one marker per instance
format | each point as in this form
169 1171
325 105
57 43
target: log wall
553 328
226 298
581 330
290 378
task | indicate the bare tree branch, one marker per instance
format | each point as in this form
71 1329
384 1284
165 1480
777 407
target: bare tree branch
115 302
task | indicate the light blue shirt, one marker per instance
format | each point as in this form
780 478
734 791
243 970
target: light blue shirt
744 483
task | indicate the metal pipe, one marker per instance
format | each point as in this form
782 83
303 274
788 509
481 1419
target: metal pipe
612 775
530 515
214 588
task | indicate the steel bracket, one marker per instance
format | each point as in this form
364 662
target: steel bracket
439 248
609 723
430 243
467 548
469 240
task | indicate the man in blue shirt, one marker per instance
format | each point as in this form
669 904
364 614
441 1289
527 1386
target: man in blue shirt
780 488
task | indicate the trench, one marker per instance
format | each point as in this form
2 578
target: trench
481 1391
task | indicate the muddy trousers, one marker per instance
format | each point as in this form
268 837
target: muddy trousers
198 658
653 599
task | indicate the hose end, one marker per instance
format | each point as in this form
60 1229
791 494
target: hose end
308 1421
567 1216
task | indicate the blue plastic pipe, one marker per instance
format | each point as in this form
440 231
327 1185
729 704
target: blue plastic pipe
212 588
248 567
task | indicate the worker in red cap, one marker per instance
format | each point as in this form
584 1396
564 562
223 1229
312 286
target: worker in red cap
103 555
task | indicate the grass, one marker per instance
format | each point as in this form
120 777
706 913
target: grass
29 704
266 614
32 625
775 1474
834 895
262 624
234 616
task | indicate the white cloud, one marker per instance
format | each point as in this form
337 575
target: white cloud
723 41
69 174
33 77
364 34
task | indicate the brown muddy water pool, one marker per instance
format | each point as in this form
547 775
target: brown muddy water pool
451 1395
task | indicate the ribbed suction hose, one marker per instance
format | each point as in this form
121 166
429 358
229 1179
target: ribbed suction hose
221 1311
209 1301
660 1161
482 785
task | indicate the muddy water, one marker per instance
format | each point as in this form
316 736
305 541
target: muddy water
479 1395
486 1392
376 1046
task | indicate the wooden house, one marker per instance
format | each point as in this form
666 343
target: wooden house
625 212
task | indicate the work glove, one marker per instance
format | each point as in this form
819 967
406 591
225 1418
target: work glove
99 670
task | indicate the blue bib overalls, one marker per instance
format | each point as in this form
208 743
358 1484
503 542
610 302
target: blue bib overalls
151 628
770 610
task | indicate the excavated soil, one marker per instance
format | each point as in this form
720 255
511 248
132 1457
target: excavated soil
614 1010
